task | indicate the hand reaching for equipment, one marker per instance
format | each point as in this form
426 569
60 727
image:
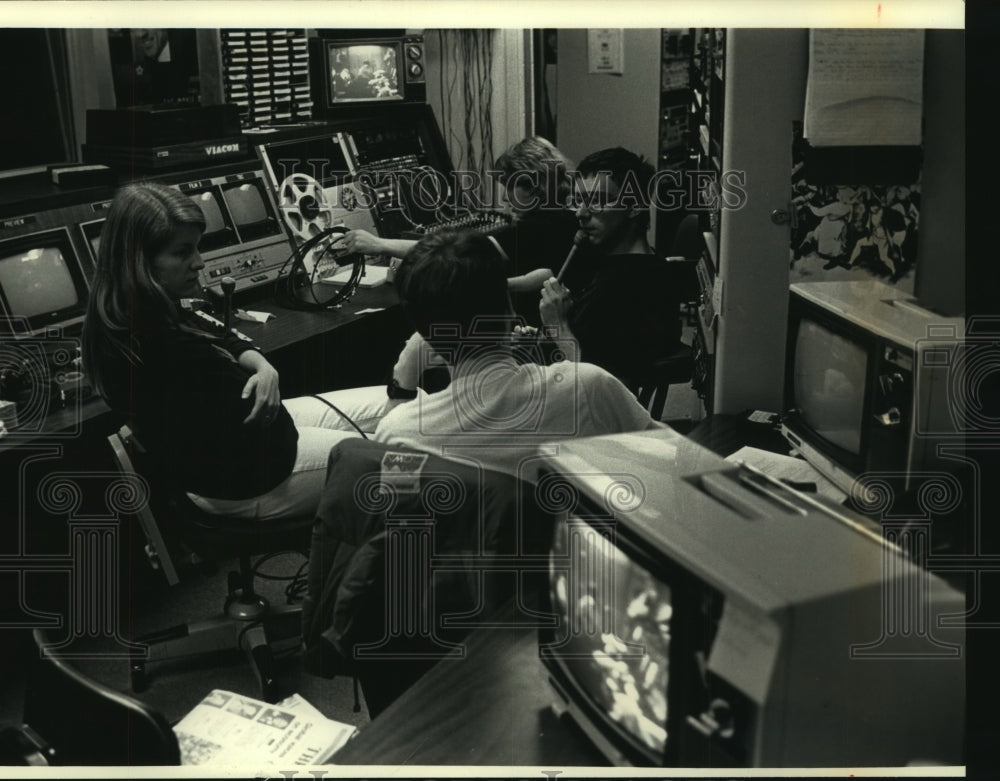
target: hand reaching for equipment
362 242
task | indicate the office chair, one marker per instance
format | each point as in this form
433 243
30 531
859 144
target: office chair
70 719
686 249
651 385
248 621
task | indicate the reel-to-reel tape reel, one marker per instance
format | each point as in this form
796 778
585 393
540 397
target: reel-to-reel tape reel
308 209
318 200
322 273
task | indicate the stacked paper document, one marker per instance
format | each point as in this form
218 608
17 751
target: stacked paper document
230 729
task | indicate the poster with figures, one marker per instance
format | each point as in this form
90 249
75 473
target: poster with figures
853 231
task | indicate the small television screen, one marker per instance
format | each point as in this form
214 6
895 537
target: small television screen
828 384
41 280
615 645
218 232
250 210
366 71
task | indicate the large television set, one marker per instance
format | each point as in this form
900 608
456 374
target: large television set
43 284
868 382
705 617
347 70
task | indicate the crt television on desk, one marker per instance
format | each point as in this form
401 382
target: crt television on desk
352 70
867 381
43 284
707 619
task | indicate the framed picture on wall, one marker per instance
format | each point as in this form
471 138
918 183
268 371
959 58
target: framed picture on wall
154 66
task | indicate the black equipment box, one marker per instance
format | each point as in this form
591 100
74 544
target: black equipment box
145 158
156 126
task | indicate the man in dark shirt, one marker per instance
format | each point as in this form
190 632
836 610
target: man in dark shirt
621 311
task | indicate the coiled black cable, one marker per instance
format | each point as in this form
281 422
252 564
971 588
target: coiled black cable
296 289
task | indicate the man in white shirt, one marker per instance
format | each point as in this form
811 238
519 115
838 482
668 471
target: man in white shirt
498 410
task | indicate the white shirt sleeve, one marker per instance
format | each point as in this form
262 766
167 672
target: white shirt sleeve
613 407
401 422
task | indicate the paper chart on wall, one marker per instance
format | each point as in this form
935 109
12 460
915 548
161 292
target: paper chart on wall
865 87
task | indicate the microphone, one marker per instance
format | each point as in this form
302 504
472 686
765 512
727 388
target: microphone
578 239
228 286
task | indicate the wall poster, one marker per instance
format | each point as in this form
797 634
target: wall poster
853 231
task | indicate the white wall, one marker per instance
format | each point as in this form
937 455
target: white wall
765 92
595 111
510 104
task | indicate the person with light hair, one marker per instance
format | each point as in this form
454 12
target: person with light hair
205 403
534 177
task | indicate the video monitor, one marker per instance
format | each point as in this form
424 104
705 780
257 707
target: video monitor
364 71
617 614
218 230
828 384
250 210
41 280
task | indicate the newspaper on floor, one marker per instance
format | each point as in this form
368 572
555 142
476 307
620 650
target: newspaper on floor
229 729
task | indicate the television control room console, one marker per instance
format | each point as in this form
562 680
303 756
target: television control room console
347 170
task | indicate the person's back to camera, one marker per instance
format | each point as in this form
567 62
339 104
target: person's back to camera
205 403
497 410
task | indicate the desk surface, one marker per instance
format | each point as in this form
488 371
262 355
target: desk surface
291 326
490 708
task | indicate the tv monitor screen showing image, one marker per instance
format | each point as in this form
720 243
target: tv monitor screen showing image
37 281
364 72
217 233
829 384
249 209
615 644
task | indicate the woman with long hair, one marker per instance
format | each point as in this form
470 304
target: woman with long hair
204 402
